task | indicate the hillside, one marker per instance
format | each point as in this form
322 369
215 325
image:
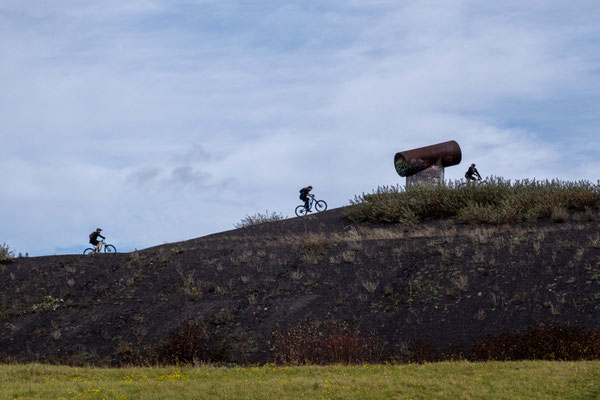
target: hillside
437 286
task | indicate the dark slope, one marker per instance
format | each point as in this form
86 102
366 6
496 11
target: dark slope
440 282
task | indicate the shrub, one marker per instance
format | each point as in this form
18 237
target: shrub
191 344
259 218
326 343
6 254
540 342
496 201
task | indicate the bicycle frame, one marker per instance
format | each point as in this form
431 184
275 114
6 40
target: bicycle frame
101 247
311 202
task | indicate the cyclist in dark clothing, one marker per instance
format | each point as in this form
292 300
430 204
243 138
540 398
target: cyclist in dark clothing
472 173
304 195
94 238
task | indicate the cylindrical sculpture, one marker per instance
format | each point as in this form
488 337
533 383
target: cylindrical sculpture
442 155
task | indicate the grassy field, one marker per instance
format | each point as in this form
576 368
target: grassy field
448 380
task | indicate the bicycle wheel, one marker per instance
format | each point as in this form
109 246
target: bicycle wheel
300 211
109 248
320 206
89 250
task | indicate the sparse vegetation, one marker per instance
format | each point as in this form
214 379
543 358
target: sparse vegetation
253 299
317 242
296 275
191 287
313 247
349 256
370 286
224 316
480 316
259 218
595 241
461 282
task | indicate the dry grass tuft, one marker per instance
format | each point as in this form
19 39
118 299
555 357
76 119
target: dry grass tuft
559 214
383 234
352 235
191 287
296 275
461 282
595 241
478 257
480 316
370 286
348 256
317 242
334 260
481 235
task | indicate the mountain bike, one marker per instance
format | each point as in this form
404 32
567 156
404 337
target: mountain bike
108 248
319 205
468 182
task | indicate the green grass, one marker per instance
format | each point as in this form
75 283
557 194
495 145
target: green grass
447 380
496 201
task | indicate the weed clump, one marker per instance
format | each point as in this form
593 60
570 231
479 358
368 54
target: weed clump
496 201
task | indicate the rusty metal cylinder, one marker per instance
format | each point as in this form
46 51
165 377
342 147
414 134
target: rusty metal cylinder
410 162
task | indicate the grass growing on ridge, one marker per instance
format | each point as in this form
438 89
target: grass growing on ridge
495 201
448 380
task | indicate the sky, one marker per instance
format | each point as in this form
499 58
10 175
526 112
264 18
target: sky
166 120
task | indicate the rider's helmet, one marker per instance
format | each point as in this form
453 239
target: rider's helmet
310 187
98 230
472 165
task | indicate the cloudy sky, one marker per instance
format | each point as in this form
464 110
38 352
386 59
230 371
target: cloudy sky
165 120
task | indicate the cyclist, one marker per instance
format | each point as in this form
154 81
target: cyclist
304 195
471 173
94 238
